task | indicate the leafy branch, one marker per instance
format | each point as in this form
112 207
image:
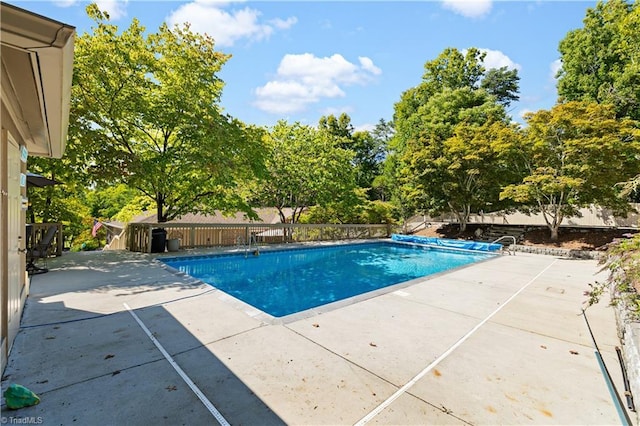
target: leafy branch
622 260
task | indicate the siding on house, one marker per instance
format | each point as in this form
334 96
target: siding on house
37 65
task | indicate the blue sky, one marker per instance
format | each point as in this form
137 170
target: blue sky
300 60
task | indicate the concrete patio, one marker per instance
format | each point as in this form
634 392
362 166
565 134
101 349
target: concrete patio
499 342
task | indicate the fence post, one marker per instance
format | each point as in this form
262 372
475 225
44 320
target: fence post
149 236
60 240
128 232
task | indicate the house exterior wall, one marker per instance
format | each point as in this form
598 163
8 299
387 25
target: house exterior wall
12 239
36 60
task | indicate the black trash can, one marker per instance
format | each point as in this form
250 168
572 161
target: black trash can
158 240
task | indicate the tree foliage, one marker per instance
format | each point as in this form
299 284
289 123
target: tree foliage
368 147
622 259
457 155
364 211
576 154
305 167
601 61
63 203
107 202
503 84
456 109
145 112
452 70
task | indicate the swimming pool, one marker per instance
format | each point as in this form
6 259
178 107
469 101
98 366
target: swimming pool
284 282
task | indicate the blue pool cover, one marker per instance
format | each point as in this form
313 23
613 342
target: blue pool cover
443 242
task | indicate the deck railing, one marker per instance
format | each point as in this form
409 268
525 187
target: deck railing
140 235
116 236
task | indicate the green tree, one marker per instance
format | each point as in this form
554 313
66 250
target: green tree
398 188
348 208
107 202
145 112
63 203
368 149
474 166
461 158
503 84
360 210
435 125
601 61
305 167
339 127
139 205
577 153
453 69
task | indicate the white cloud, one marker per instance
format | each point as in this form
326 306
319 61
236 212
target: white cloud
554 67
115 8
367 64
366 127
284 24
305 79
64 3
497 59
468 8
227 27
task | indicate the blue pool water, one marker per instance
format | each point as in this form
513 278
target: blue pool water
283 282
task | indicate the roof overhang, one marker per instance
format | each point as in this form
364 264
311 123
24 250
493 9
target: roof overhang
37 71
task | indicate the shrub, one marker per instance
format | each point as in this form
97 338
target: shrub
622 259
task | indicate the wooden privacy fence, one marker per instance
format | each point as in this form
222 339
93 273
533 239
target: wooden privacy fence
139 236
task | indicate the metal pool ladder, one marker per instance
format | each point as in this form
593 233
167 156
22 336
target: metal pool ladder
512 245
247 246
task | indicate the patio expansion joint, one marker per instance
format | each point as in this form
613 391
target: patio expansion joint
99 316
341 356
548 336
440 308
90 379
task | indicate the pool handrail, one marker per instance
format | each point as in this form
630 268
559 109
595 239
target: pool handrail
510 246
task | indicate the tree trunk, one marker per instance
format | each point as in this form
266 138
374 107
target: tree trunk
160 217
463 217
553 222
462 221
